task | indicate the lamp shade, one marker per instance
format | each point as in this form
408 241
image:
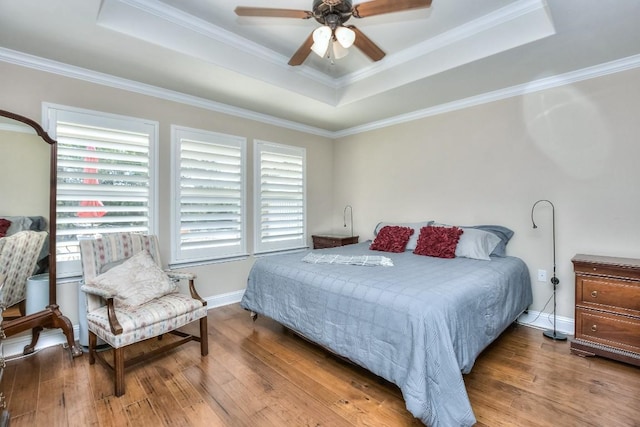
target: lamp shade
345 36
339 51
321 39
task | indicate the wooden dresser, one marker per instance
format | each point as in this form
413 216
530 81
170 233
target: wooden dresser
607 308
321 241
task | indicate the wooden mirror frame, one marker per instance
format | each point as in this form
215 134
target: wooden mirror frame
50 317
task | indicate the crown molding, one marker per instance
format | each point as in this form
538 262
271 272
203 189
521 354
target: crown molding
551 82
54 67
71 71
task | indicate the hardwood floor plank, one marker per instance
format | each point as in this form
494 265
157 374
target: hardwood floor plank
27 419
216 397
201 415
26 387
152 379
51 404
141 414
78 397
110 412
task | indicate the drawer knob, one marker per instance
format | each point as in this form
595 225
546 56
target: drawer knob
594 328
594 294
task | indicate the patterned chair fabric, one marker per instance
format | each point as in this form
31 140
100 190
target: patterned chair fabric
19 255
153 319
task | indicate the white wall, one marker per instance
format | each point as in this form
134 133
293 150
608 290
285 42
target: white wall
577 146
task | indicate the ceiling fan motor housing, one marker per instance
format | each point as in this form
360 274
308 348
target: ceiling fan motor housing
332 12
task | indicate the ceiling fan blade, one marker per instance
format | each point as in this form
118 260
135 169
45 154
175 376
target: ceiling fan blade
379 7
365 44
303 51
272 13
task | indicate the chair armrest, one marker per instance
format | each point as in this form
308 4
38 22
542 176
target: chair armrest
97 291
177 275
180 275
115 326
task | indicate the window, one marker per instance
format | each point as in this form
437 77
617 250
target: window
280 197
209 193
106 178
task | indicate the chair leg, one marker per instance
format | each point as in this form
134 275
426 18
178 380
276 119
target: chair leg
118 367
93 342
204 337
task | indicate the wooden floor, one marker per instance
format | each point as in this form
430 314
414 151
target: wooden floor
260 375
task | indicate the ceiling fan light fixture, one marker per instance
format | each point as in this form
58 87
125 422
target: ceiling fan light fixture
320 50
339 51
345 36
321 39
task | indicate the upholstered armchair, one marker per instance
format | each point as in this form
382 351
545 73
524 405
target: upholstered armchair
19 254
131 299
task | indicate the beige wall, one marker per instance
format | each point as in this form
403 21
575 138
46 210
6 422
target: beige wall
23 91
24 164
576 145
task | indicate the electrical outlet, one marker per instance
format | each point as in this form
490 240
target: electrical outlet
542 275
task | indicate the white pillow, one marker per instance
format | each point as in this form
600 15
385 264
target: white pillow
476 244
136 281
413 240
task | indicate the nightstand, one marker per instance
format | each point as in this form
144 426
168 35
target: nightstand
321 241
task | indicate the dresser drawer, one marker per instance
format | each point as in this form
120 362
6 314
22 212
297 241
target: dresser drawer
608 294
623 268
608 329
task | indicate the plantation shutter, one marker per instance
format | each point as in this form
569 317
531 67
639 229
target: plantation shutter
104 179
280 197
209 195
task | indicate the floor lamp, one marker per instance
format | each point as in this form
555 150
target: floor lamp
553 334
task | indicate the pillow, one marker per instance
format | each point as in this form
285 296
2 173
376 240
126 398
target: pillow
136 281
413 240
4 226
503 233
476 244
438 242
392 238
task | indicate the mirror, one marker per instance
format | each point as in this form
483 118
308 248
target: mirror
27 201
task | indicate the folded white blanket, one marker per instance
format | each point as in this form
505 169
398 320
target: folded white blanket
365 260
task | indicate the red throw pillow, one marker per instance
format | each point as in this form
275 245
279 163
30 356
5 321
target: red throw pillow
392 238
438 242
4 226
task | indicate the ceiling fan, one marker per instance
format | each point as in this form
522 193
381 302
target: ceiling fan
334 38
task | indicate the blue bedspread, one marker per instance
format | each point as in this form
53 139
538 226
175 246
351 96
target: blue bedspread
419 324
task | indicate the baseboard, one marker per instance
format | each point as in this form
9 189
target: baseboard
14 346
224 299
544 321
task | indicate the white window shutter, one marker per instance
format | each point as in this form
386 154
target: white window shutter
280 202
105 178
209 195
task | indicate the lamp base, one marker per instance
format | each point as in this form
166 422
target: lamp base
554 335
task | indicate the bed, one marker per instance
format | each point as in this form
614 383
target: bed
420 323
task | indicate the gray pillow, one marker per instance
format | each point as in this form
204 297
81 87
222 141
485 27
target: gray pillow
503 233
